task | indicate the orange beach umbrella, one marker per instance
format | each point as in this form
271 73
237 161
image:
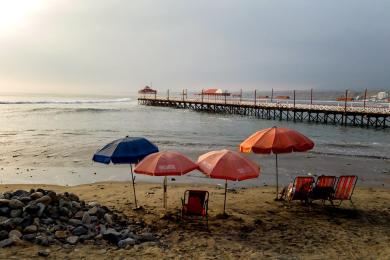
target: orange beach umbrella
165 163
276 140
227 165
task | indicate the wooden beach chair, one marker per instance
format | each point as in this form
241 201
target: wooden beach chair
299 189
344 189
323 188
195 205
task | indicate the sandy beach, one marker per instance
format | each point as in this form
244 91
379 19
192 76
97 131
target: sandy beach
257 226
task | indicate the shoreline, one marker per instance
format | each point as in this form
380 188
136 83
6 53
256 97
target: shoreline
371 172
257 226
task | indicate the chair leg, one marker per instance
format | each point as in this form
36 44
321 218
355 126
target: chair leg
353 205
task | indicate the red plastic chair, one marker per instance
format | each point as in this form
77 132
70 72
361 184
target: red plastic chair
195 204
324 188
344 189
300 188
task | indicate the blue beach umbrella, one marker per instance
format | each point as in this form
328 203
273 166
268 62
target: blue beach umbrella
129 150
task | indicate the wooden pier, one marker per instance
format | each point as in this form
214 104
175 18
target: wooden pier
368 117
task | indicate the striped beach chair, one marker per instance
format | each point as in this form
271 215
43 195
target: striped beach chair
344 189
300 188
195 205
323 188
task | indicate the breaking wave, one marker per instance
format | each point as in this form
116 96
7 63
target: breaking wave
76 101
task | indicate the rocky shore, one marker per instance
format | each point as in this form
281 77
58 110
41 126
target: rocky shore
44 217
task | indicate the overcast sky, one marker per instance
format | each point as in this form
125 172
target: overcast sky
112 46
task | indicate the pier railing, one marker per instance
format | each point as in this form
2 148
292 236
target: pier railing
322 105
347 113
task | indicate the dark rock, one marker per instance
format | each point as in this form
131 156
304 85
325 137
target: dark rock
23 222
25 200
62 203
76 205
15 233
100 212
36 195
93 210
42 208
47 221
4 202
64 211
112 236
126 242
4 210
42 240
60 234
36 222
80 230
108 219
72 196
30 229
29 237
44 253
3 234
147 237
46 200
7 224
87 236
75 222
79 214
15 213
86 218
31 208
21 193
6 242
15 204
72 240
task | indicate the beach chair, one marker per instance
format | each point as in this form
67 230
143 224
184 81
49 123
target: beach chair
300 189
323 188
195 205
344 189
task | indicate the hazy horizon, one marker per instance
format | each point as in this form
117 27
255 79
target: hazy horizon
117 47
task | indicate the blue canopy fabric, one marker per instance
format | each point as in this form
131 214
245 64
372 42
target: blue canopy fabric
125 151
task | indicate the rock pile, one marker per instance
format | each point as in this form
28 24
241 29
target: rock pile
44 217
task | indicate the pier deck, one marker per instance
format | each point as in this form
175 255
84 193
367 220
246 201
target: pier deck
369 117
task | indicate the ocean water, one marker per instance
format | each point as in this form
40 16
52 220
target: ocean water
63 131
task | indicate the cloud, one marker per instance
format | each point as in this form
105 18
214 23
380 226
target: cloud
100 46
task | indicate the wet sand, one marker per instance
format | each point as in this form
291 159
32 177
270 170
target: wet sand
257 226
372 172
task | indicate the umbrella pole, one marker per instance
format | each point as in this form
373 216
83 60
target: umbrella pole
277 177
224 202
165 192
132 179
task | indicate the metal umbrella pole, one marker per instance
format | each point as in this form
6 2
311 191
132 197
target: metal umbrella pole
165 192
224 202
132 179
277 177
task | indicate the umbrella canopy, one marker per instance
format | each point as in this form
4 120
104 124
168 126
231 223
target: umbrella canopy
227 165
125 151
165 164
276 140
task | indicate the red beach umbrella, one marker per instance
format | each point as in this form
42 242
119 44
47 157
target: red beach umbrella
276 140
165 164
227 165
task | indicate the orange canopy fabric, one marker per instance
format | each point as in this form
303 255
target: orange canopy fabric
165 164
227 165
276 140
